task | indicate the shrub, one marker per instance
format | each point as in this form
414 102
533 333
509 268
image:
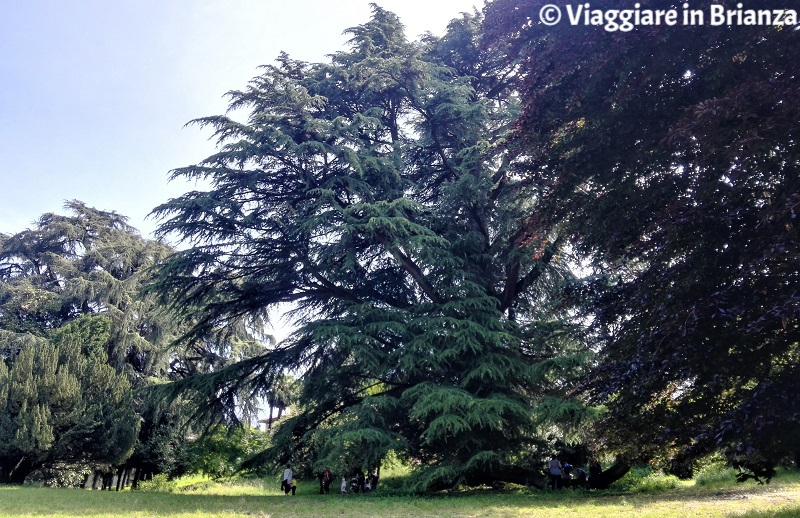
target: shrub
716 473
645 480
656 482
158 484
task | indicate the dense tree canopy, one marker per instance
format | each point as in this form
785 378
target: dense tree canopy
91 262
76 336
671 160
374 197
487 243
61 403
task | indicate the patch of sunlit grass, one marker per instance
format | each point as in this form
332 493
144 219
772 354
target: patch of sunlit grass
206 499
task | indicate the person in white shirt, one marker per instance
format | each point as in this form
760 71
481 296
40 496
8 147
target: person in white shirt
286 484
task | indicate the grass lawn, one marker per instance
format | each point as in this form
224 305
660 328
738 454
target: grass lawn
780 498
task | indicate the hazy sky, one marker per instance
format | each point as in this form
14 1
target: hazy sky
94 94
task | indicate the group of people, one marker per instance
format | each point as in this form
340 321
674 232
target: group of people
561 475
359 483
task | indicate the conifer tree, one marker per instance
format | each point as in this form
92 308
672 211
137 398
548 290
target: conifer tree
60 401
373 195
92 263
88 262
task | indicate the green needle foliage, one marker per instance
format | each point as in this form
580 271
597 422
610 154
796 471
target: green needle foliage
89 262
374 196
72 283
60 402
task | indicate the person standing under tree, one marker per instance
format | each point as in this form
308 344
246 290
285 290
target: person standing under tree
555 470
327 478
286 483
361 480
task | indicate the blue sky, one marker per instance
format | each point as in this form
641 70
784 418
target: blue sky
94 94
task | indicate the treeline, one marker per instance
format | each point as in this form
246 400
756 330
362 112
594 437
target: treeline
81 343
506 242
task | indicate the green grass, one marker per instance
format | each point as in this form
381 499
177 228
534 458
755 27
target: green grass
716 475
644 480
263 499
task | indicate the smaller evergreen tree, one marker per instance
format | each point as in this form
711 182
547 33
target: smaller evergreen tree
60 401
92 262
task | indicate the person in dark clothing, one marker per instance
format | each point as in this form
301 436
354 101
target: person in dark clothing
595 471
582 480
555 471
566 472
327 478
362 479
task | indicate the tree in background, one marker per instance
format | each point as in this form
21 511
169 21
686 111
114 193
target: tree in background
220 452
375 196
61 403
90 266
671 163
88 263
71 286
80 276
282 392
